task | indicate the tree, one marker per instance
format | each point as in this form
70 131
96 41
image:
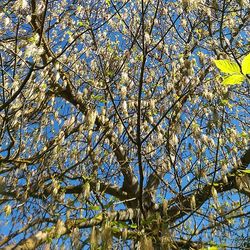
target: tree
115 126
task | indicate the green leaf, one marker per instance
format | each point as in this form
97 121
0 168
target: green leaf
214 184
244 134
227 66
233 79
246 65
80 23
69 32
116 230
134 226
247 171
98 217
225 102
95 208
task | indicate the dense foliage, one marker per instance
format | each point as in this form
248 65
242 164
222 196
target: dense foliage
116 129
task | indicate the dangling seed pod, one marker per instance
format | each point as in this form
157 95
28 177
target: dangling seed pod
93 239
165 207
193 202
86 190
125 234
106 236
214 192
60 228
146 243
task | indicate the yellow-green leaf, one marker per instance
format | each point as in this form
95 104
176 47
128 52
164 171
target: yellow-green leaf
7 210
80 23
98 217
213 248
95 208
234 79
227 66
246 171
246 65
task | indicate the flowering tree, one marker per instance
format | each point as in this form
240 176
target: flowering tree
115 126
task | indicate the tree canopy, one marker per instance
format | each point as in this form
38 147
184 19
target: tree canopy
118 130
